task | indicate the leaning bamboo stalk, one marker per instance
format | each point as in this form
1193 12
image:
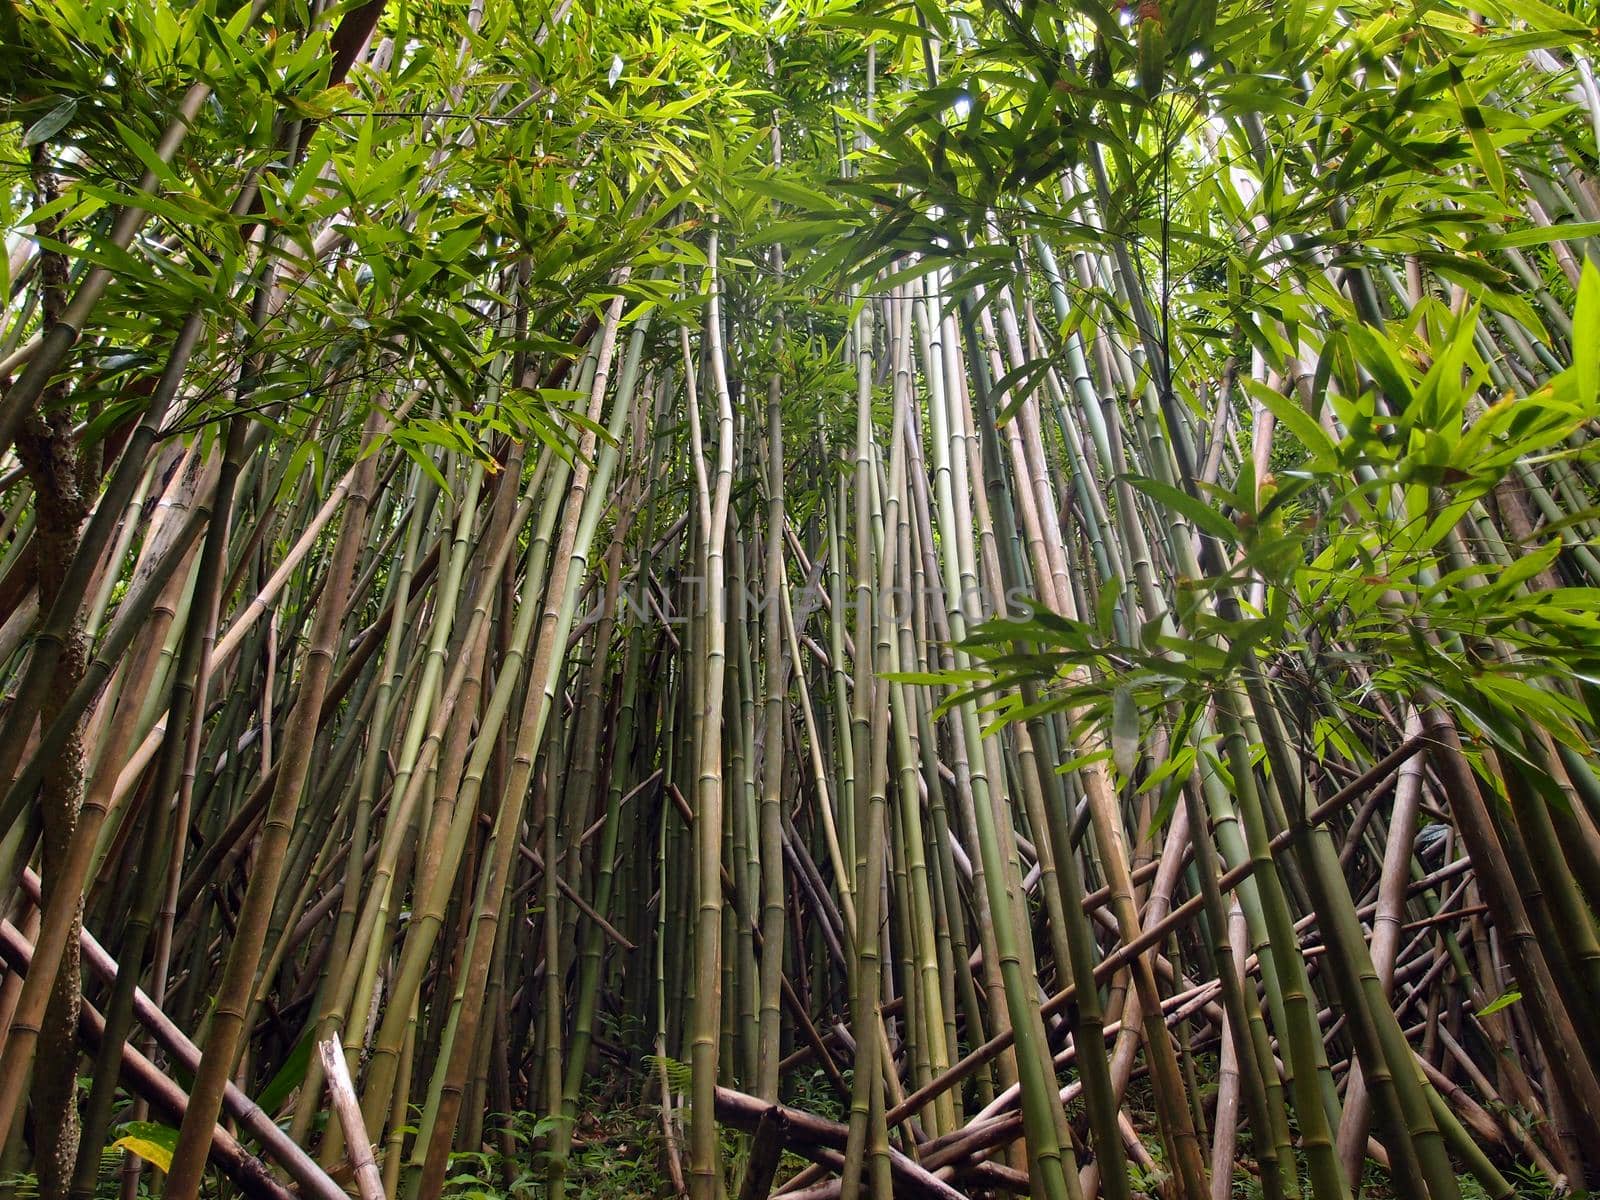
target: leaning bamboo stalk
222 1042
571 558
307 1175
369 1183
1395 876
704 1171
247 1172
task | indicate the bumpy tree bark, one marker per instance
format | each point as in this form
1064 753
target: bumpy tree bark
49 452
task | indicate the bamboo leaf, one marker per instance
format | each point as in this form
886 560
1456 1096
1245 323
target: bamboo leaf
1124 731
1537 235
1185 505
1477 130
1586 335
1504 1000
290 1075
52 123
152 1142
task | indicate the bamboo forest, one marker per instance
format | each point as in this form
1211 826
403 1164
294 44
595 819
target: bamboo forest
799 599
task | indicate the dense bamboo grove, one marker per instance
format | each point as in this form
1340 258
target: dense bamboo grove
954 600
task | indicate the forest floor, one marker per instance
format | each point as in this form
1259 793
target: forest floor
619 1151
